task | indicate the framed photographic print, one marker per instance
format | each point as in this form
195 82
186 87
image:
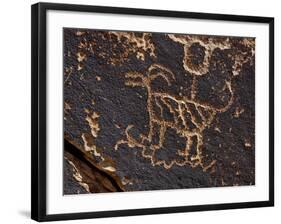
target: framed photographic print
138 111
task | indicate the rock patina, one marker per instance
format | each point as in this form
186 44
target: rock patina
155 111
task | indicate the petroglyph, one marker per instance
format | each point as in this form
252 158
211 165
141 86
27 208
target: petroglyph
206 44
152 111
201 49
140 43
103 162
77 176
184 111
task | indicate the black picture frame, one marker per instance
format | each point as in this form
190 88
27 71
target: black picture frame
39 124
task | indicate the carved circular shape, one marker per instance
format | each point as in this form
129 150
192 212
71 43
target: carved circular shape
197 53
196 58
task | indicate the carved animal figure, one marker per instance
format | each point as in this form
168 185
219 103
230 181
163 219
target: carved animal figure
189 119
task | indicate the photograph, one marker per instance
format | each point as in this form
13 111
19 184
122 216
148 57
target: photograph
139 112
156 111
142 111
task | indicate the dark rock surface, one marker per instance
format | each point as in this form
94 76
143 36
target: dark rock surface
82 176
159 111
70 184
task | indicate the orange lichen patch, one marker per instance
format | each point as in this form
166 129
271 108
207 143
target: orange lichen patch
185 111
209 44
140 42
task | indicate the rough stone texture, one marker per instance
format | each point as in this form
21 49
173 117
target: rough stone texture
70 184
157 111
81 175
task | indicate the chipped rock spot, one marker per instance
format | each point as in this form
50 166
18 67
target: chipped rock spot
81 56
93 123
238 112
80 67
247 144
